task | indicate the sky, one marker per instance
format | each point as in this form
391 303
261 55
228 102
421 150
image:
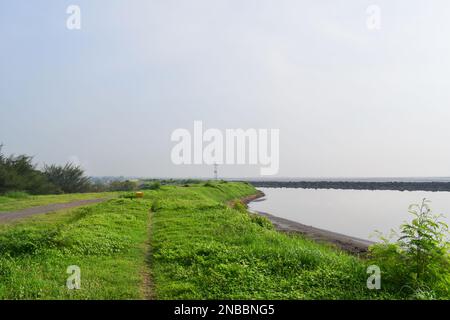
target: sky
348 100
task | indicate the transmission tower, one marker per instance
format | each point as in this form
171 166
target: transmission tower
215 171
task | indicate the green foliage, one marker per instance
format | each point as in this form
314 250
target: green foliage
155 185
210 184
261 221
419 261
69 178
203 249
239 206
156 206
129 195
126 185
104 240
18 173
98 186
17 201
16 194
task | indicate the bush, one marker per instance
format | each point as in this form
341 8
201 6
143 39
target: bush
239 206
16 194
69 178
156 185
123 185
419 260
128 196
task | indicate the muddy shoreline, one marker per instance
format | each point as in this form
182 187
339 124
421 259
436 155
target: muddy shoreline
347 243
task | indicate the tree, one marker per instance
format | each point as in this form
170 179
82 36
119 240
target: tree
69 178
18 173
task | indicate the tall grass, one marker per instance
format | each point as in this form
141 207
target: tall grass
16 195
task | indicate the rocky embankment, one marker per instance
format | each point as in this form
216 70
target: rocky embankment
356 185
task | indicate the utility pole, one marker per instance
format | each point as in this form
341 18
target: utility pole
215 171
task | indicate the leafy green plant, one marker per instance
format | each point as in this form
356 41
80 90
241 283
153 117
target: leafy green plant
419 260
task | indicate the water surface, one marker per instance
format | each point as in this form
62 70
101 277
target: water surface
356 213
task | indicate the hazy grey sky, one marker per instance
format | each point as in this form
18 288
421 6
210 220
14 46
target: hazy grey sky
348 101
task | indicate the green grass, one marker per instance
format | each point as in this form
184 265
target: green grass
20 200
105 240
202 249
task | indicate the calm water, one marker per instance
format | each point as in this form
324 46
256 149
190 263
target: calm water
352 212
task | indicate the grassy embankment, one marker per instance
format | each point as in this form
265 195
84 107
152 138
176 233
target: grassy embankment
105 240
200 249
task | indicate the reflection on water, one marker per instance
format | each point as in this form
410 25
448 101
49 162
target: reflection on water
356 213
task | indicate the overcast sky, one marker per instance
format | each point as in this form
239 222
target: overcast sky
349 101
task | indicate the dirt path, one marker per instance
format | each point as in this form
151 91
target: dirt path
147 287
13 215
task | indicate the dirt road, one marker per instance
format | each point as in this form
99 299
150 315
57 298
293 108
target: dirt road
13 215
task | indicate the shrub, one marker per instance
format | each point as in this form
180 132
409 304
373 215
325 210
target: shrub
69 178
123 185
239 206
156 185
128 196
16 194
419 260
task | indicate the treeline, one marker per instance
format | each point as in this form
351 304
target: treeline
19 173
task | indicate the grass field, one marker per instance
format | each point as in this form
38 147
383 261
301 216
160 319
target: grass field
18 201
198 248
105 240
